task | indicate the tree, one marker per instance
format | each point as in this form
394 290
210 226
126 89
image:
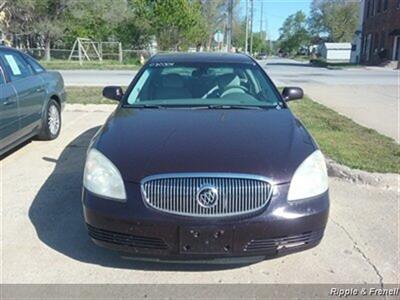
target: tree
95 19
35 17
175 23
16 14
48 21
134 31
239 33
260 44
214 13
336 19
51 21
293 33
2 5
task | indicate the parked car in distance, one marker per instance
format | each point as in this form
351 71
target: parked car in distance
203 160
262 56
31 100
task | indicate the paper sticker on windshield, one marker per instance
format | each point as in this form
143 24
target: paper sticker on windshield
13 64
161 64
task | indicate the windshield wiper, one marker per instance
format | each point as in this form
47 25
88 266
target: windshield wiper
163 106
224 106
207 106
144 106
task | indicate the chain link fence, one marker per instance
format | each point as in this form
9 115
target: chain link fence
107 54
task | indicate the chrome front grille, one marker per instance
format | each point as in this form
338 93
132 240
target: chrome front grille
206 195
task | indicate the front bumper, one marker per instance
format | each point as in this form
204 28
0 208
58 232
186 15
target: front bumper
278 229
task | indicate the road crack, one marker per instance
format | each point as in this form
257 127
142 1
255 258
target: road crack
362 253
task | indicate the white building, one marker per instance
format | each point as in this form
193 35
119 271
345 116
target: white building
336 52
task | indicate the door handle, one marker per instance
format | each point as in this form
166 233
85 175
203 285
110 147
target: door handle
9 102
38 90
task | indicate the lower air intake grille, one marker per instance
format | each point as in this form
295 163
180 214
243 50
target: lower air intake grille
273 244
126 239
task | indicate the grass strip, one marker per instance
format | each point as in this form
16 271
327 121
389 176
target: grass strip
88 65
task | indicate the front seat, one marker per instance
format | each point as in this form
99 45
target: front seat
228 84
172 86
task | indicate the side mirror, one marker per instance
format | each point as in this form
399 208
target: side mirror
113 92
292 93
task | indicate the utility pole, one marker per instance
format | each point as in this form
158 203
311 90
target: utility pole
261 18
246 47
251 25
229 26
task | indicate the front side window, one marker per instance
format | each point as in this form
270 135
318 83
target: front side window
15 65
203 84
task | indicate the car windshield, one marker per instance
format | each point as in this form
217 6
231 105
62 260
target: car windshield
177 84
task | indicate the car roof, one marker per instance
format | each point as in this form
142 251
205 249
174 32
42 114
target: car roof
201 57
8 48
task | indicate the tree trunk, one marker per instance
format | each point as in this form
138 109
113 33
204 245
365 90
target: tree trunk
209 42
47 49
2 5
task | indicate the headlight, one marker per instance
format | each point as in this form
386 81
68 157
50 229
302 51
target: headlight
310 179
101 177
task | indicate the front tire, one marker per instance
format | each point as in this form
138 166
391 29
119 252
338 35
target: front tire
51 122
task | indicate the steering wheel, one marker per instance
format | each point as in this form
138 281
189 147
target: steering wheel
234 89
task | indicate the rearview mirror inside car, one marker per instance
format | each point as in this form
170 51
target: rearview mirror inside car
113 92
292 93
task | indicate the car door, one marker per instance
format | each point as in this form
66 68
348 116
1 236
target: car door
29 87
9 115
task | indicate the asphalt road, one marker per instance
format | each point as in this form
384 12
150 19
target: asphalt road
369 96
44 239
286 71
283 71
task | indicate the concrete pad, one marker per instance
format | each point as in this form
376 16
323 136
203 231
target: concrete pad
44 239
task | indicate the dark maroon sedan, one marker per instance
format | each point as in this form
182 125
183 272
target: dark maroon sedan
203 160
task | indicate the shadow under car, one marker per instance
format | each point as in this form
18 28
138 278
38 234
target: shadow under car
56 213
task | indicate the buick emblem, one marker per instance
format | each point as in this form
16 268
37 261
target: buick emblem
207 196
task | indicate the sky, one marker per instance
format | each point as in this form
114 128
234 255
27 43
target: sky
274 13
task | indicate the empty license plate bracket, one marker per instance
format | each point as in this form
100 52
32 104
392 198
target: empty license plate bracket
205 240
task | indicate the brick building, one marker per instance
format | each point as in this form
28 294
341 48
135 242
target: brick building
380 31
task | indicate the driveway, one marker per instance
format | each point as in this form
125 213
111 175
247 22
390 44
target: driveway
44 238
371 97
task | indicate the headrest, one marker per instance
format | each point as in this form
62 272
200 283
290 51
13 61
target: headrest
228 80
172 81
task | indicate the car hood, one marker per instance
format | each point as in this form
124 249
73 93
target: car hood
144 142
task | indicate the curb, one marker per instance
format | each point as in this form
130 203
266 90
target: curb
387 181
90 107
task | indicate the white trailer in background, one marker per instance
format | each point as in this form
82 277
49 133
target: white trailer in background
336 52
